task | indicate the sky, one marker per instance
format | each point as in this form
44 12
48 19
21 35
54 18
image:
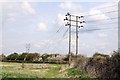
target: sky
42 25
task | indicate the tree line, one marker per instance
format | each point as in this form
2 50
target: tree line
34 57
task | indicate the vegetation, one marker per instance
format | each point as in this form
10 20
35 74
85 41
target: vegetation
103 66
31 70
97 66
111 67
2 57
13 56
34 58
44 57
76 73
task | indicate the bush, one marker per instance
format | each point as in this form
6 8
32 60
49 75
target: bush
103 66
77 73
112 68
80 62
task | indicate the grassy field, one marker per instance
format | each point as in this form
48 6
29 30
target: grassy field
32 70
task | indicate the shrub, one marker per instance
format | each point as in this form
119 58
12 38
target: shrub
103 66
112 68
77 73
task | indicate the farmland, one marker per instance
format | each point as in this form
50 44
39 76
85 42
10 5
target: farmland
33 70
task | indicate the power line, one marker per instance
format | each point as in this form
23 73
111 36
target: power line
49 45
96 29
103 13
60 28
107 6
59 41
104 7
91 30
56 33
91 21
99 20
100 13
55 46
102 24
103 19
65 32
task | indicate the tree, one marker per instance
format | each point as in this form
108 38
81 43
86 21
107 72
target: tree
44 57
35 57
22 56
13 56
2 57
29 56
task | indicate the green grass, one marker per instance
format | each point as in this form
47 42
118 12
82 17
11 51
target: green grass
14 70
52 73
76 73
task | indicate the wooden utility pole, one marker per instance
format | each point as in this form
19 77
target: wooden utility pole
76 37
77 20
68 19
69 41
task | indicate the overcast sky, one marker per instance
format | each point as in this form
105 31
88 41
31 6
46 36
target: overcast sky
37 22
